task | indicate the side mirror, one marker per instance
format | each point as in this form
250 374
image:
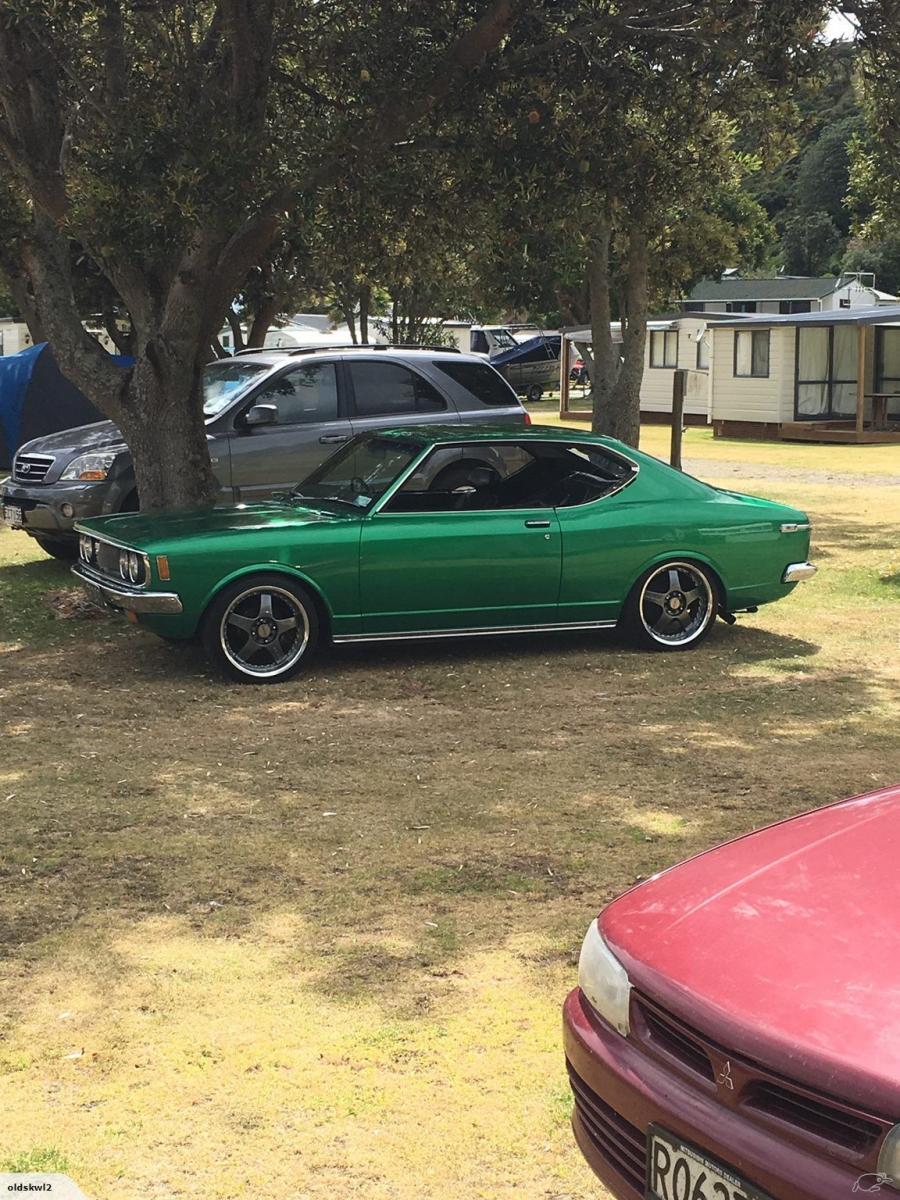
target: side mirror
261 414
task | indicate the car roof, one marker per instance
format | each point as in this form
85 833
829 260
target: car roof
436 434
275 355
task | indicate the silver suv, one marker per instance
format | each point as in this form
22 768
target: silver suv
271 417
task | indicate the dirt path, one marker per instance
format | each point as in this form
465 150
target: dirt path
710 468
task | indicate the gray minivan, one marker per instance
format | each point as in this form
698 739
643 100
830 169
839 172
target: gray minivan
271 416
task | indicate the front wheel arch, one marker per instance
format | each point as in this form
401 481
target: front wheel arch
323 611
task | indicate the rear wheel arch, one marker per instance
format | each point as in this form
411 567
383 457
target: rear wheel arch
638 616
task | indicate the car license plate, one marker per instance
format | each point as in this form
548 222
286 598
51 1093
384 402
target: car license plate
12 515
94 594
677 1171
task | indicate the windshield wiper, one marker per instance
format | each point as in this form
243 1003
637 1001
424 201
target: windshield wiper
295 495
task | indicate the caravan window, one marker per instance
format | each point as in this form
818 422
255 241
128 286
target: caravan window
751 353
664 348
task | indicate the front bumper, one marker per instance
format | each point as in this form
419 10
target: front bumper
621 1091
42 505
127 599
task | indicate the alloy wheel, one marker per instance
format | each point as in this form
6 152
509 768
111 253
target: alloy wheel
677 604
264 631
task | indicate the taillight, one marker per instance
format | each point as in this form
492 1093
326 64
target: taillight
527 417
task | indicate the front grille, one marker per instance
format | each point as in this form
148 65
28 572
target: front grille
825 1120
107 559
31 468
619 1142
675 1039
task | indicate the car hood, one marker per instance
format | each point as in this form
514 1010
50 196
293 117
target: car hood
83 439
782 947
145 530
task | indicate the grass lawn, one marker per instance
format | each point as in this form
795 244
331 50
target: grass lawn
312 940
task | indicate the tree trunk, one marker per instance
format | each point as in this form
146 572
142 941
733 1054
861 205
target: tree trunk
24 301
236 332
166 435
603 365
625 411
365 296
263 319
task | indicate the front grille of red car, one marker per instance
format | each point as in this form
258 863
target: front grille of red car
621 1145
765 1094
674 1039
816 1116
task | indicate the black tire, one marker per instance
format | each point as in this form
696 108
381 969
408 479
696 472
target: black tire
243 608
673 606
64 548
534 393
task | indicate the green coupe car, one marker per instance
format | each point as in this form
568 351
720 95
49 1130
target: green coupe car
438 532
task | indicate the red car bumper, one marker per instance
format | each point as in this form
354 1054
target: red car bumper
620 1091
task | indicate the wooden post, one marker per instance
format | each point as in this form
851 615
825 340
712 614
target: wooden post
861 380
679 383
563 375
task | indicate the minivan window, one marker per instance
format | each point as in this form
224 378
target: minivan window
222 381
481 380
386 389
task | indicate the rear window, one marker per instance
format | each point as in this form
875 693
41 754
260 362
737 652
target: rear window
482 381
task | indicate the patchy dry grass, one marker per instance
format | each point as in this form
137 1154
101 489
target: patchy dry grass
312 941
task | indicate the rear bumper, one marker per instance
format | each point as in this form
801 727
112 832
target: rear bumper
620 1091
122 597
797 572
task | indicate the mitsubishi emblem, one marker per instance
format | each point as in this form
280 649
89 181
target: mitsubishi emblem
724 1077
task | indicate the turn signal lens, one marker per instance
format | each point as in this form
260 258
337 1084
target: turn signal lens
162 566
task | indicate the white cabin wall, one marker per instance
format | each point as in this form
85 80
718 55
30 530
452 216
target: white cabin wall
767 400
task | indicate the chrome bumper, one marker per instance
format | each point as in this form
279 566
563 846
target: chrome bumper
121 596
798 571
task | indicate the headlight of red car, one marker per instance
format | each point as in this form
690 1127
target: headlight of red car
604 981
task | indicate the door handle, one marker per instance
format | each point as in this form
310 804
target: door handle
537 524
327 438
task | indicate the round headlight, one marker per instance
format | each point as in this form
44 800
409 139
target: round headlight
123 563
135 567
604 981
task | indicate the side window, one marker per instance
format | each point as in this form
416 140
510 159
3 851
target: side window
480 380
469 478
386 389
304 394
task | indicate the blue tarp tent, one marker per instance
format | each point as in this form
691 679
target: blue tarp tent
36 398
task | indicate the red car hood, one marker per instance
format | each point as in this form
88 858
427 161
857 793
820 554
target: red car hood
784 947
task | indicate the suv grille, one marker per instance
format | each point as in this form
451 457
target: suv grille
622 1145
816 1116
31 468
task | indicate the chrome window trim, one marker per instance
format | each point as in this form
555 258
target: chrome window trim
377 509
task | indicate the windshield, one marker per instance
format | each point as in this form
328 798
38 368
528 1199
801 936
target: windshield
223 380
504 339
361 473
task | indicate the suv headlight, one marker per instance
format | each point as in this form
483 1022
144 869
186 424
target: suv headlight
604 981
89 466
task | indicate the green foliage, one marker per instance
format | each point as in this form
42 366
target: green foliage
810 242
